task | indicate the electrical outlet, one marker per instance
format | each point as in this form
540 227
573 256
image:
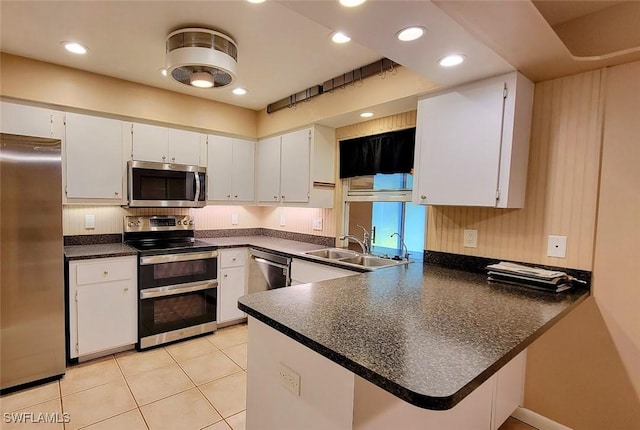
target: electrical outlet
557 246
234 219
317 223
289 379
89 222
470 238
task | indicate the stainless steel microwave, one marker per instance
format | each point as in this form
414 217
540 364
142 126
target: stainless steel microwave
163 185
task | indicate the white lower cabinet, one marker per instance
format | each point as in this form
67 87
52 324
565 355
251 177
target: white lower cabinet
232 283
303 271
103 305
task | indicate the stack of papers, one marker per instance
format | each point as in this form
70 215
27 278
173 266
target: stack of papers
531 277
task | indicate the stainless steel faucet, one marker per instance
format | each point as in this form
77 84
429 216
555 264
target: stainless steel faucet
365 243
404 245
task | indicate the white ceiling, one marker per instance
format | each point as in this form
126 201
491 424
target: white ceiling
280 51
284 46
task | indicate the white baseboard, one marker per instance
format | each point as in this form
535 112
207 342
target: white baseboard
536 420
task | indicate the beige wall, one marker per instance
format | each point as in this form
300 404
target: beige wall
585 372
75 90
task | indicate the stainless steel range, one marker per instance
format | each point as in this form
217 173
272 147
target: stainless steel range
177 278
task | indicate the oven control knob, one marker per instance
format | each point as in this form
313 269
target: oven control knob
191 222
179 222
138 223
130 223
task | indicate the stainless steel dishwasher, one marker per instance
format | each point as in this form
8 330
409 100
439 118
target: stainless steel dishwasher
268 271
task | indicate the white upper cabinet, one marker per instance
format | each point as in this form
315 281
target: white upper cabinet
93 158
294 167
472 144
297 168
31 121
165 145
268 167
230 169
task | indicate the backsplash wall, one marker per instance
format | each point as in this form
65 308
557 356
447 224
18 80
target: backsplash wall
562 185
109 219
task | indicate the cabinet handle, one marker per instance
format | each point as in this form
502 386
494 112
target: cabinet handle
275 197
116 193
423 197
126 289
228 196
225 276
105 273
173 159
234 259
164 158
282 197
236 196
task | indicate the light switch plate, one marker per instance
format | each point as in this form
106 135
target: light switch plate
89 222
317 223
234 219
557 246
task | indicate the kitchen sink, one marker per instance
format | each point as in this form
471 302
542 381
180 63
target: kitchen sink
352 258
332 253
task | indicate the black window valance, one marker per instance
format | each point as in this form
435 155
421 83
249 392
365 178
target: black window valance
390 152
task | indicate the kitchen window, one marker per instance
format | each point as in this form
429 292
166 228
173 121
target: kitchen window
381 203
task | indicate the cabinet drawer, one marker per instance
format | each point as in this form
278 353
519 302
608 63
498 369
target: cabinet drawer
233 257
105 270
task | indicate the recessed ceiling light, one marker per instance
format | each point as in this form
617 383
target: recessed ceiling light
451 60
255 1
340 38
351 3
239 91
410 33
164 72
366 114
201 80
75 47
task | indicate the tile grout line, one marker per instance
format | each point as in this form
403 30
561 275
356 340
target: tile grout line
132 395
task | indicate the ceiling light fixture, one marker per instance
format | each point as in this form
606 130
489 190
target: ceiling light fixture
201 80
366 114
351 3
75 47
451 60
192 53
410 33
239 91
340 38
256 1
164 72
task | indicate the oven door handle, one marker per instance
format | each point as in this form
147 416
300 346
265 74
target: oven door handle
171 290
172 258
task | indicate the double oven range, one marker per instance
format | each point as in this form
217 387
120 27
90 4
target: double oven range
177 278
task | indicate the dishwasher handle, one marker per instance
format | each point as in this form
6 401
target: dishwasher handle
270 263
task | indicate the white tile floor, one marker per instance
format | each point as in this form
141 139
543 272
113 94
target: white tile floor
195 384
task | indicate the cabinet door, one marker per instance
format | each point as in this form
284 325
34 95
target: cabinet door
30 121
93 156
150 143
106 316
231 288
269 170
295 168
219 168
184 147
243 171
458 142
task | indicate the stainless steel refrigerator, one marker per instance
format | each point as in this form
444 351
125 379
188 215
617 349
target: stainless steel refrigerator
32 331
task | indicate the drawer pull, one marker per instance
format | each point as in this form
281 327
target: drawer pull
226 275
126 289
105 273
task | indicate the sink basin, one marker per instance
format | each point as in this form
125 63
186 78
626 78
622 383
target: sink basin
332 253
370 261
352 258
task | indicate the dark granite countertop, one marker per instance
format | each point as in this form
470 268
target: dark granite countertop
85 252
426 334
